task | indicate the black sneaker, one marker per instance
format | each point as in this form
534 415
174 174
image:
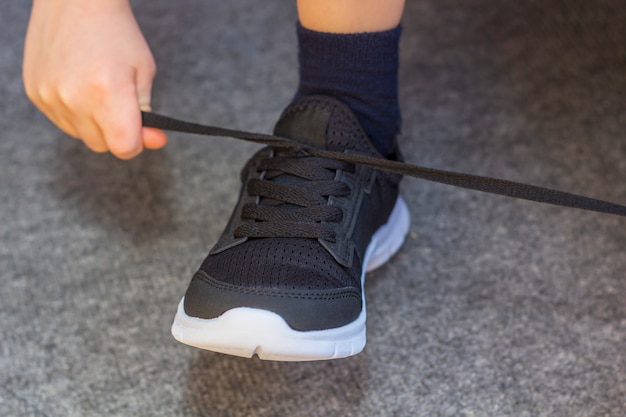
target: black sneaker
285 280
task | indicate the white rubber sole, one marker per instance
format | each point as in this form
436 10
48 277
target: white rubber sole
248 331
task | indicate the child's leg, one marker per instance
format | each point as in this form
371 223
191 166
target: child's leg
348 49
350 16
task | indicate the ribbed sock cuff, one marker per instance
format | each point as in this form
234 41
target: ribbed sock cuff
375 51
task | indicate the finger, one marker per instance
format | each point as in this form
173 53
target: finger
92 136
120 122
83 129
64 124
143 80
53 109
153 138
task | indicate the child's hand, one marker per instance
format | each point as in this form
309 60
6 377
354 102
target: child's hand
89 69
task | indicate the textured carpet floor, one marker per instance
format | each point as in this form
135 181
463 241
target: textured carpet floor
494 307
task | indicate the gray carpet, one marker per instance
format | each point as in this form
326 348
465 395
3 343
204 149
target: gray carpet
494 307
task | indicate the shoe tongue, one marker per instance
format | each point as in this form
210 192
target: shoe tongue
307 126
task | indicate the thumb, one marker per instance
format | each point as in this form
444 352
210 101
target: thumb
144 79
152 138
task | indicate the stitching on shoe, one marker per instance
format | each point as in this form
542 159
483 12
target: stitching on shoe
207 279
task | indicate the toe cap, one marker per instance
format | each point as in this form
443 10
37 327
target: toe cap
302 310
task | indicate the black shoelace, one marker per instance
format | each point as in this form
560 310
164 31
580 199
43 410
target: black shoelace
472 182
292 197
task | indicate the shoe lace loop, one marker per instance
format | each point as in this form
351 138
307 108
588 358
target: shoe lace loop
292 198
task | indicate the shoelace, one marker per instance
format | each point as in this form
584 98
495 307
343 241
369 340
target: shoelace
468 181
292 197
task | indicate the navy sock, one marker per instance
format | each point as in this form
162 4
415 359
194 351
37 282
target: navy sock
360 69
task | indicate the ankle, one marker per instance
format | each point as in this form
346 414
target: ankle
359 69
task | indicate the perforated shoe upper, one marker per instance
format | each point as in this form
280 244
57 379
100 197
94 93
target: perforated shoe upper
297 237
